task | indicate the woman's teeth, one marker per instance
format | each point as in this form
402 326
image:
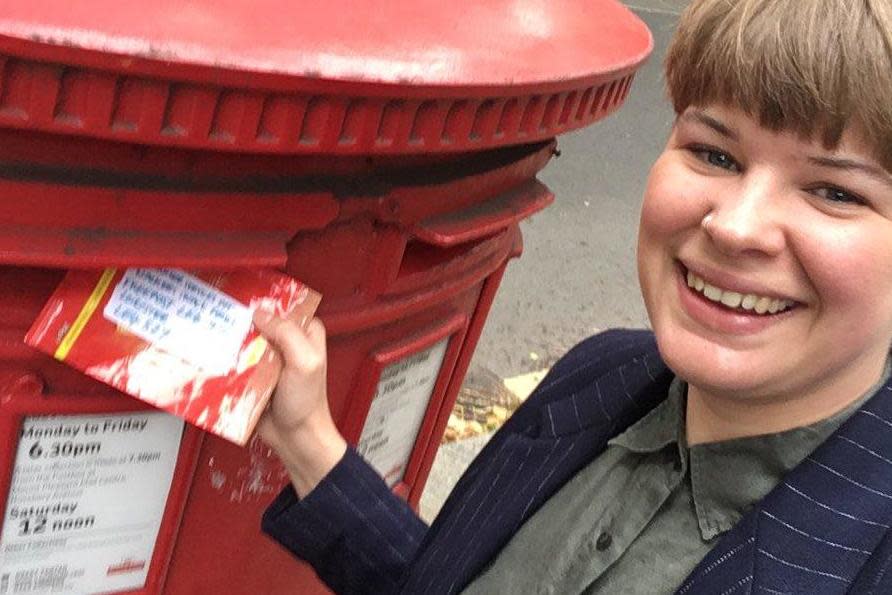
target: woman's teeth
732 299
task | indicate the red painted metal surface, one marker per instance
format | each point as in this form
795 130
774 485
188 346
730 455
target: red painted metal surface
401 271
382 152
341 77
424 42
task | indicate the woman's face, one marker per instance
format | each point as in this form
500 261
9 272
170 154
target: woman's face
788 247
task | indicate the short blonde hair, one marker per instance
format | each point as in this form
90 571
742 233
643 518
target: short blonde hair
814 67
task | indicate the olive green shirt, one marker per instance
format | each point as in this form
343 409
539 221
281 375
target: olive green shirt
641 516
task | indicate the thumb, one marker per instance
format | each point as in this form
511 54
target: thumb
285 335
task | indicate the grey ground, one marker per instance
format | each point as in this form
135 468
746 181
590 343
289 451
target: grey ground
577 273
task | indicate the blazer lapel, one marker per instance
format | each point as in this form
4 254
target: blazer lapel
564 426
610 403
818 529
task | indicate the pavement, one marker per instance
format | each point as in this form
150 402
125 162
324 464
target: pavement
672 7
577 274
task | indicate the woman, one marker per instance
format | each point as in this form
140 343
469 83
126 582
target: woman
744 446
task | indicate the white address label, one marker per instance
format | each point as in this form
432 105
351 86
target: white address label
182 315
85 505
397 411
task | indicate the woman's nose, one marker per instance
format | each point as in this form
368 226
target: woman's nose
746 218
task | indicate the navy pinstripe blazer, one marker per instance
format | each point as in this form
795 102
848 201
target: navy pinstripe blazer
825 529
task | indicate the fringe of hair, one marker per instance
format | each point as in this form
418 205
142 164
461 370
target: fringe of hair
814 67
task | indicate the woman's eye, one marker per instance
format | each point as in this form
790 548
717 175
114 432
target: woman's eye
838 195
716 158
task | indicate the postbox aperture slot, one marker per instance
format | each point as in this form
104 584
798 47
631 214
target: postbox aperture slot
421 257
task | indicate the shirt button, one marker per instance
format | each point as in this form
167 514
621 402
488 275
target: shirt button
604 541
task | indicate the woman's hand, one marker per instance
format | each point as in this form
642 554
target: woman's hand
298 423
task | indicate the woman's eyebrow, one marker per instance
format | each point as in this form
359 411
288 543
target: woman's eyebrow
719 127
852 165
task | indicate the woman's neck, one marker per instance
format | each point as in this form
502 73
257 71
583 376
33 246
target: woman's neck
713 417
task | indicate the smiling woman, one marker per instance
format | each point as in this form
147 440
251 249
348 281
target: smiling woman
774 185
734 211
745 446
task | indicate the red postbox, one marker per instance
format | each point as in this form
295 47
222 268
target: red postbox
383 153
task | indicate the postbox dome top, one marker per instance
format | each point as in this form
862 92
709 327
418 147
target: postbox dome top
434 50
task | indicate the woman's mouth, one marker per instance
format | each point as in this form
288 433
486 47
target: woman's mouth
749 303
728 311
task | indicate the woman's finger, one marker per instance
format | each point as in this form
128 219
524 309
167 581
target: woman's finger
286 336
316 333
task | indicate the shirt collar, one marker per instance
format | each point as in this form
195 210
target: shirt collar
660 427
730 477
727 478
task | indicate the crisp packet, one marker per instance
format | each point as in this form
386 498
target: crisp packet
181 341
